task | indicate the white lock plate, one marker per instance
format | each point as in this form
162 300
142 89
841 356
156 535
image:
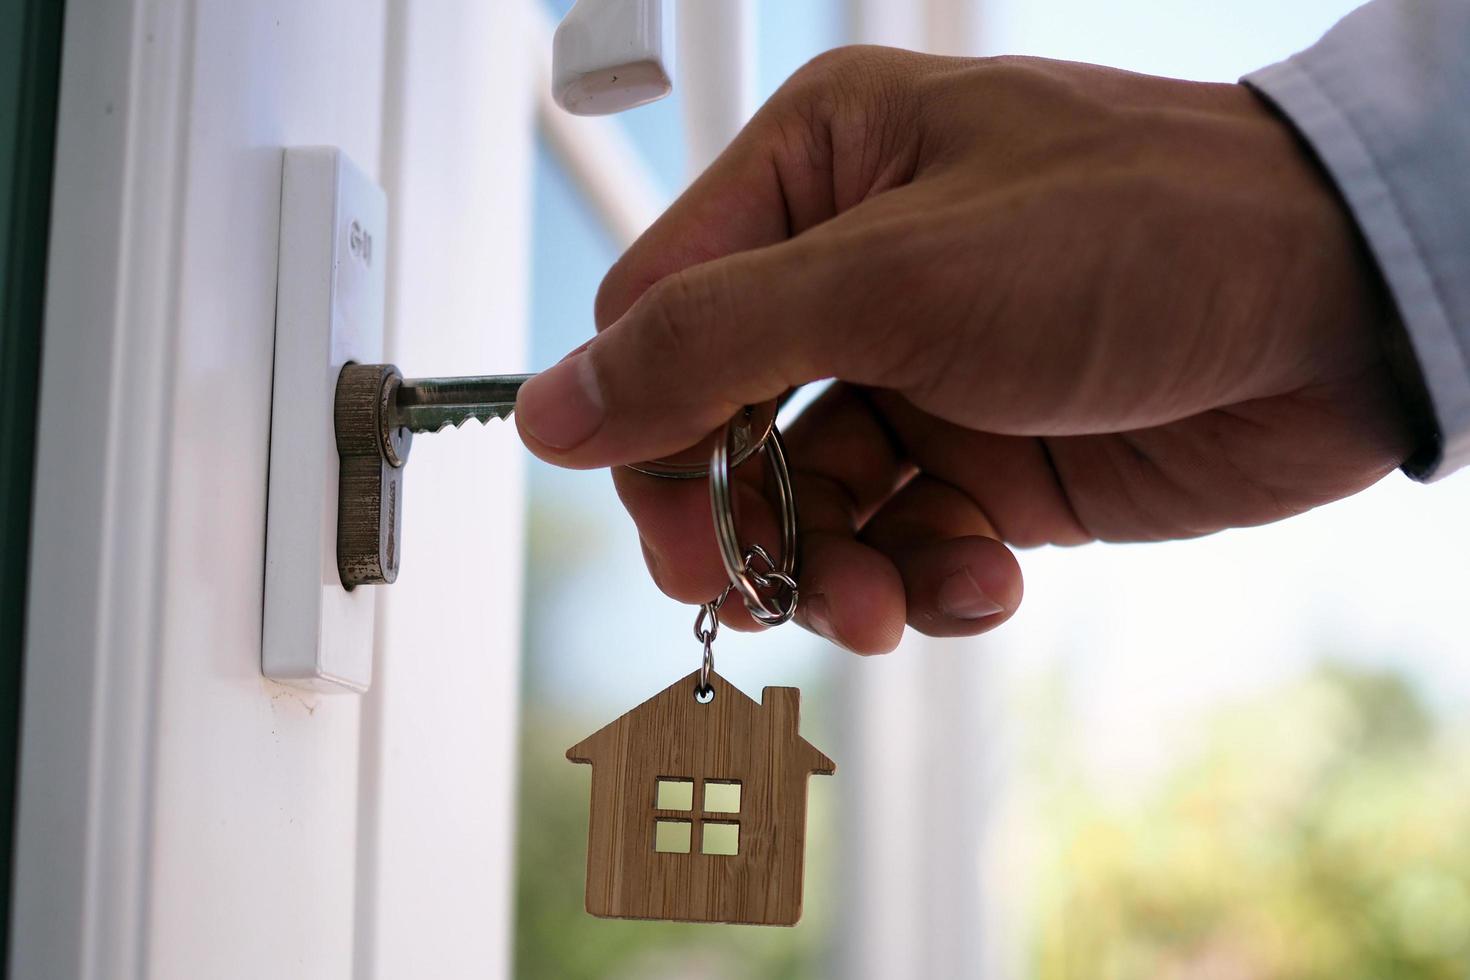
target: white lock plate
329 311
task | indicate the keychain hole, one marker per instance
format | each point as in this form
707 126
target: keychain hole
704 695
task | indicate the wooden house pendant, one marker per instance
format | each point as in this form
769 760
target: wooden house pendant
699 806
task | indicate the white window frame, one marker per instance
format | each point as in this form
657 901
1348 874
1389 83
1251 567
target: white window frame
319 861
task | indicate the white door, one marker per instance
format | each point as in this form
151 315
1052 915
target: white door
181 816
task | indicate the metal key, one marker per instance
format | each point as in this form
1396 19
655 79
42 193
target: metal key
377 412
430 404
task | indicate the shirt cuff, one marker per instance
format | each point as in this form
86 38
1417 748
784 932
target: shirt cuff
1348 158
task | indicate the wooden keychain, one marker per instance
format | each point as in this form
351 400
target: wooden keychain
699 793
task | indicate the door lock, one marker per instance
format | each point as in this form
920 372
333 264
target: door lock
375 415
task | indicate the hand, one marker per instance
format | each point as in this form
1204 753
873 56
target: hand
1064 303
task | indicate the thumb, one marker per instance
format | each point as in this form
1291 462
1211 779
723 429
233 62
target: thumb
690 353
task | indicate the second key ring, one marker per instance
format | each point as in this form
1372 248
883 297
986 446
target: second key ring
749 583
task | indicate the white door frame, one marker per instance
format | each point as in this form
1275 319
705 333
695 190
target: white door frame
101 491
178 814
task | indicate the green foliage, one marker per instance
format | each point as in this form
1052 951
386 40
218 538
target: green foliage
1319 832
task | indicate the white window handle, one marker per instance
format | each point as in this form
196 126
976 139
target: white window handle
611 55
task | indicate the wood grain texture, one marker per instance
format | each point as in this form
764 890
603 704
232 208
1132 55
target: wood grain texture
731 738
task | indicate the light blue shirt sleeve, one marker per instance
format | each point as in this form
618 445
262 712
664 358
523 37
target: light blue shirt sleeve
1384 100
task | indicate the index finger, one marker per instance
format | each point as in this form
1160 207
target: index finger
816 148
751 196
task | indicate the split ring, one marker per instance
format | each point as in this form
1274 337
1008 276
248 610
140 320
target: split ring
767 611
744 435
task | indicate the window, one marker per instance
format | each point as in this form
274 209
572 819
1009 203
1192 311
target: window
714 805
675 794
672 836
720 837
721 796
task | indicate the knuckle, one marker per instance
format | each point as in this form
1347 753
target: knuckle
1010 70
858 106
843 66
853 80
1039 88
666 309
697 324
676 308
889 345
832 66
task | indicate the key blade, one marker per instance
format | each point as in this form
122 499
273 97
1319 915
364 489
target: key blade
434 418
432 404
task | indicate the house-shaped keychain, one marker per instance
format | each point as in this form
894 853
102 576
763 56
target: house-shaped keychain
699 806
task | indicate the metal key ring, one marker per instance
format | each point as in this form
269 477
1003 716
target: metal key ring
745 434
732 555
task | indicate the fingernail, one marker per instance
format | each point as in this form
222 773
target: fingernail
818 618
960 597
562 406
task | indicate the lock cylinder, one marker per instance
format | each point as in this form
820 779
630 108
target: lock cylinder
370 480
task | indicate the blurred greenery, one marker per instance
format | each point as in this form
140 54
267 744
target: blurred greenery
1319 831
557 940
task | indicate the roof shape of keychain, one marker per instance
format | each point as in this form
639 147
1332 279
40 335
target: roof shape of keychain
699 793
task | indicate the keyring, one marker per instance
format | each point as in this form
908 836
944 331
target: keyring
745 434
743 578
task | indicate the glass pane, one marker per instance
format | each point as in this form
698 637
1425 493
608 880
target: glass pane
675 794
720 838
671 836
722 797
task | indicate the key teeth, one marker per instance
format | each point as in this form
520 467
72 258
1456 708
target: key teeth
484 418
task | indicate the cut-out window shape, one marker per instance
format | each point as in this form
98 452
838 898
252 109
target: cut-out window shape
720 838
672 836
675 794
721 796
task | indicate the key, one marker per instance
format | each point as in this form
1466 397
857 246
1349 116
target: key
376 414
430 404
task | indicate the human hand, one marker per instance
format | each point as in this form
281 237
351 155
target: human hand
1063 303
